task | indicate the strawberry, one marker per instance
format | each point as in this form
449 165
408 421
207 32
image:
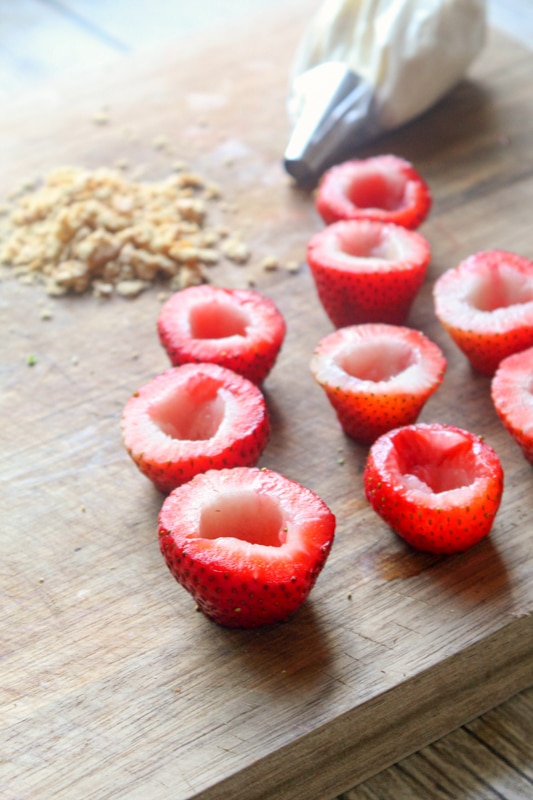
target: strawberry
377 376
386 188
367 271
247 543
486 306
437 486
239 329
191 419
512 395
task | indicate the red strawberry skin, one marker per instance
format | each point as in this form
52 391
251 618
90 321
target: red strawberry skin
486 306
377 377
385 188
367 271
239 329
191 419
512 395
248 544
438 487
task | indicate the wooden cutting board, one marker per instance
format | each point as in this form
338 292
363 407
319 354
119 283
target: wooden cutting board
112 686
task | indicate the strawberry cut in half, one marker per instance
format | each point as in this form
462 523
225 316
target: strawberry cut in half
239 329
486 306
437 486
191 419
367 271
512 395
377 377
247 543
386 188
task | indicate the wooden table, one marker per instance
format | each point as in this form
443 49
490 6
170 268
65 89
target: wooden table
112 685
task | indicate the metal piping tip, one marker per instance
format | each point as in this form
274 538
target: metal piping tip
334 110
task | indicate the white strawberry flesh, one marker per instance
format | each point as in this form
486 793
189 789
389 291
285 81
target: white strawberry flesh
370 246
248 544
439 487
239 329
193 418
377 376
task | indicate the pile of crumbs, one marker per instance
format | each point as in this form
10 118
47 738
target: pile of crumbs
94 230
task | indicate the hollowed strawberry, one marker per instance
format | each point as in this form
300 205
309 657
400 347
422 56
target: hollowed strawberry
239 329
486 306
438 487
248 544
385 188
367 271
512 395
377 377
191 419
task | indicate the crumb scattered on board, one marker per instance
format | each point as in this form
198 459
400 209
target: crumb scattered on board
101 117
97 230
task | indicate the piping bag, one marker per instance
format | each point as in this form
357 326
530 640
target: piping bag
366 67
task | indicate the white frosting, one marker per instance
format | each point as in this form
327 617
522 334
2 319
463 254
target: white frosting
410 51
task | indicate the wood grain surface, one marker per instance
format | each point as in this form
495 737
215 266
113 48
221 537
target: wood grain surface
486 759
112 685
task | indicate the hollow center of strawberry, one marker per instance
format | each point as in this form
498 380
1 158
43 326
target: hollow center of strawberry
217 321
500 289
370 242
374 189
376 360
192 415
245 515
434 462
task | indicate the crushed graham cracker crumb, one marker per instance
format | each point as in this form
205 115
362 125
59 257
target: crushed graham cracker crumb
161 142
101 117
235 249
270 263
97 230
